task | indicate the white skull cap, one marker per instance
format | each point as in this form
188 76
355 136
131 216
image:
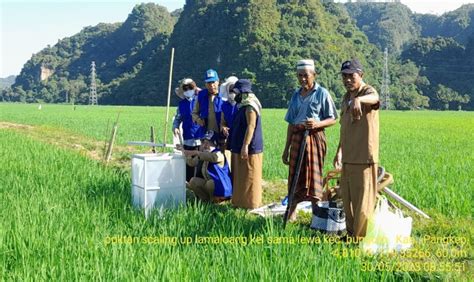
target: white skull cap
305 65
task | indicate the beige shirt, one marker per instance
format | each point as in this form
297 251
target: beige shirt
360 137
211 118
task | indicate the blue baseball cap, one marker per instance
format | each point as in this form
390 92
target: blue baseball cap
211 76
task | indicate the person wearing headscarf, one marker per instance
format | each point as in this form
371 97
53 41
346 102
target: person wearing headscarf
247 148
190 131
311 108
212 182
229 109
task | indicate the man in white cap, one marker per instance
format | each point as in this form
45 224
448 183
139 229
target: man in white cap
311 108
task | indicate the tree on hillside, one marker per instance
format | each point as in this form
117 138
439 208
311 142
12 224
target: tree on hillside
457 24
7 94
462 100
448 96
404 91
444 62
387 25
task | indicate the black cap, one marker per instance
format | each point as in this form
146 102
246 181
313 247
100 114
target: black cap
351 66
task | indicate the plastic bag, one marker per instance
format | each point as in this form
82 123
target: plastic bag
387 231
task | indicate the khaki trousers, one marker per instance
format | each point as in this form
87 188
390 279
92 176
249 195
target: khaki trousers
359 190
203 189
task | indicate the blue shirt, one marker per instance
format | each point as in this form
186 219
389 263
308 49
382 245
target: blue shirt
180 118
317 105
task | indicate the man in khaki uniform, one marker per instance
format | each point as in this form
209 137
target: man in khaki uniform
208 107
358 150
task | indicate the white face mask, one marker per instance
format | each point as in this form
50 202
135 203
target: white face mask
231 96
189 94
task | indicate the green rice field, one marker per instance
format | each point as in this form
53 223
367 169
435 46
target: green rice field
67 216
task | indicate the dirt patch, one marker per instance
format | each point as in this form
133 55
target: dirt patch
10 125
86 146
274 190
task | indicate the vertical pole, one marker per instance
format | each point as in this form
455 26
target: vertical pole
105 139
112 140
169 97
152 138
111 144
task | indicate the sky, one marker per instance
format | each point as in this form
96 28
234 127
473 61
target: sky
29 26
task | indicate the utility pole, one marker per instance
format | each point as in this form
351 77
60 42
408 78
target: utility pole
93 88
386 81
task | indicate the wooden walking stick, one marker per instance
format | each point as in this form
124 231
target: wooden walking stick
294 182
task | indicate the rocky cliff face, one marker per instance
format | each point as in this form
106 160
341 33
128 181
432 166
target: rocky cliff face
45 73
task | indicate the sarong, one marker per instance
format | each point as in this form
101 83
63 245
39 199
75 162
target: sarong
247 181
310 182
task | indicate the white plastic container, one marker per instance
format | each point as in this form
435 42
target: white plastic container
158 181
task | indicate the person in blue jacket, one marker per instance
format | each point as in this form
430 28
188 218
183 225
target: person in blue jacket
212 182
190 131
208 108
229 110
